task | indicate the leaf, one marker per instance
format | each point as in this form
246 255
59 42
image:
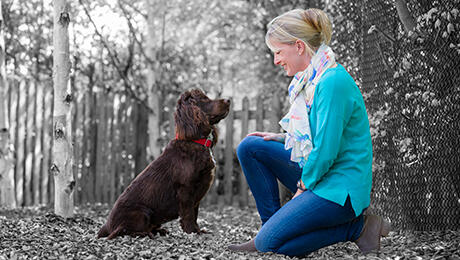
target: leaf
450 28
454 12
437 24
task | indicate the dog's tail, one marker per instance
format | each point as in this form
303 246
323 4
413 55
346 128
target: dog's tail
117 232
103 232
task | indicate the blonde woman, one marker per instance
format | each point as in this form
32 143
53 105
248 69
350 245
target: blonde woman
324 156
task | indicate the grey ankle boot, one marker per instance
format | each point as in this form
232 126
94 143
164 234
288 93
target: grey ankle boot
249 246
374 227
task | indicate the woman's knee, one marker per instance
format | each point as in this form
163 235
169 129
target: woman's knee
266 242
247 145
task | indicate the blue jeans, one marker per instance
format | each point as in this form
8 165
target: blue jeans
306 223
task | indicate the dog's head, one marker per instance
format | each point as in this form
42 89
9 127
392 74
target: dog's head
196 114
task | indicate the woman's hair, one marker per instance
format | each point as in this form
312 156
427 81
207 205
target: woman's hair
312 26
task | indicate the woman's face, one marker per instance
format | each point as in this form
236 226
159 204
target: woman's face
292 57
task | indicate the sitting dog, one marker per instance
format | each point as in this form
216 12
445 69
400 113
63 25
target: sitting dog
173 185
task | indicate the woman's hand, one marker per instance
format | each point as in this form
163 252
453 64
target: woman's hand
279 137
299 191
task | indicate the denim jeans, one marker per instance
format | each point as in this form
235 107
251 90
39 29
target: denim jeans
306 223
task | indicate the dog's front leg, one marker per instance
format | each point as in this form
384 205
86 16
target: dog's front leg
187 211
196 217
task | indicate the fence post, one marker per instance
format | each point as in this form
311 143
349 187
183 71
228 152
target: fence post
259 114
244 131
228 165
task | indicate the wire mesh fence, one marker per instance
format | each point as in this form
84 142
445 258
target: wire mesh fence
411 84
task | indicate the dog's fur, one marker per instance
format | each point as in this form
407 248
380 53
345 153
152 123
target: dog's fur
173 185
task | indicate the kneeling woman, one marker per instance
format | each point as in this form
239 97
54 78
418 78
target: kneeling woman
325 156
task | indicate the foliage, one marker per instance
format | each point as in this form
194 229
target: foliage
347 35
28 38
424 80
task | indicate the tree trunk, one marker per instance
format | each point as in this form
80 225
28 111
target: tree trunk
154 92
404 15
62 156
7 196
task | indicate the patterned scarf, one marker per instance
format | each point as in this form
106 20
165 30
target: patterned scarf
301 91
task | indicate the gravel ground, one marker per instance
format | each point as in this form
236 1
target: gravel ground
37 233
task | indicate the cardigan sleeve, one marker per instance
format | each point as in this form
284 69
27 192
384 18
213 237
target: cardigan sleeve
333 107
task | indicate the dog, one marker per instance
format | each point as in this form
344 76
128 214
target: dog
173 185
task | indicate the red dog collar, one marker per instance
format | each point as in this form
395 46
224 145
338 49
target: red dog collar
203 141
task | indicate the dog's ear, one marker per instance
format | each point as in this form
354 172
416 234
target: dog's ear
191 122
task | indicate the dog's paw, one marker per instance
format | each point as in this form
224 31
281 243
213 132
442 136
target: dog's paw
204 231
161 231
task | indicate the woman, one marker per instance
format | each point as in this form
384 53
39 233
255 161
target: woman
326 158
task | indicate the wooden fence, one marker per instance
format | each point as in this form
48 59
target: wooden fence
109 132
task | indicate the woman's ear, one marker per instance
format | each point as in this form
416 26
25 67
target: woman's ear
300 47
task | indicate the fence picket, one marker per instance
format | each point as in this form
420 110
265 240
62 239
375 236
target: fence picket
228 165
38 153
92 147
13 117
100 172
20 143
78 144
116 182
243 186
108 154
28 139
47 183
259 114
141 139
86 124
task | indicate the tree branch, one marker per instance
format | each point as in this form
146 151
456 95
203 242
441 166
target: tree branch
404 15
133 31
115 61
136 10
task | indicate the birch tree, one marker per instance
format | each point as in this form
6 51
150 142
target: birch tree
62 157
7 196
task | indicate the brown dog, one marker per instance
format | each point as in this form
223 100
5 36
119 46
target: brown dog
173 185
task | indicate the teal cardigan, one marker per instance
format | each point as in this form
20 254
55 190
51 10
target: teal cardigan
340 163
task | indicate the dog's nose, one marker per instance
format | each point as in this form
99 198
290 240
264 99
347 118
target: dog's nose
227 101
